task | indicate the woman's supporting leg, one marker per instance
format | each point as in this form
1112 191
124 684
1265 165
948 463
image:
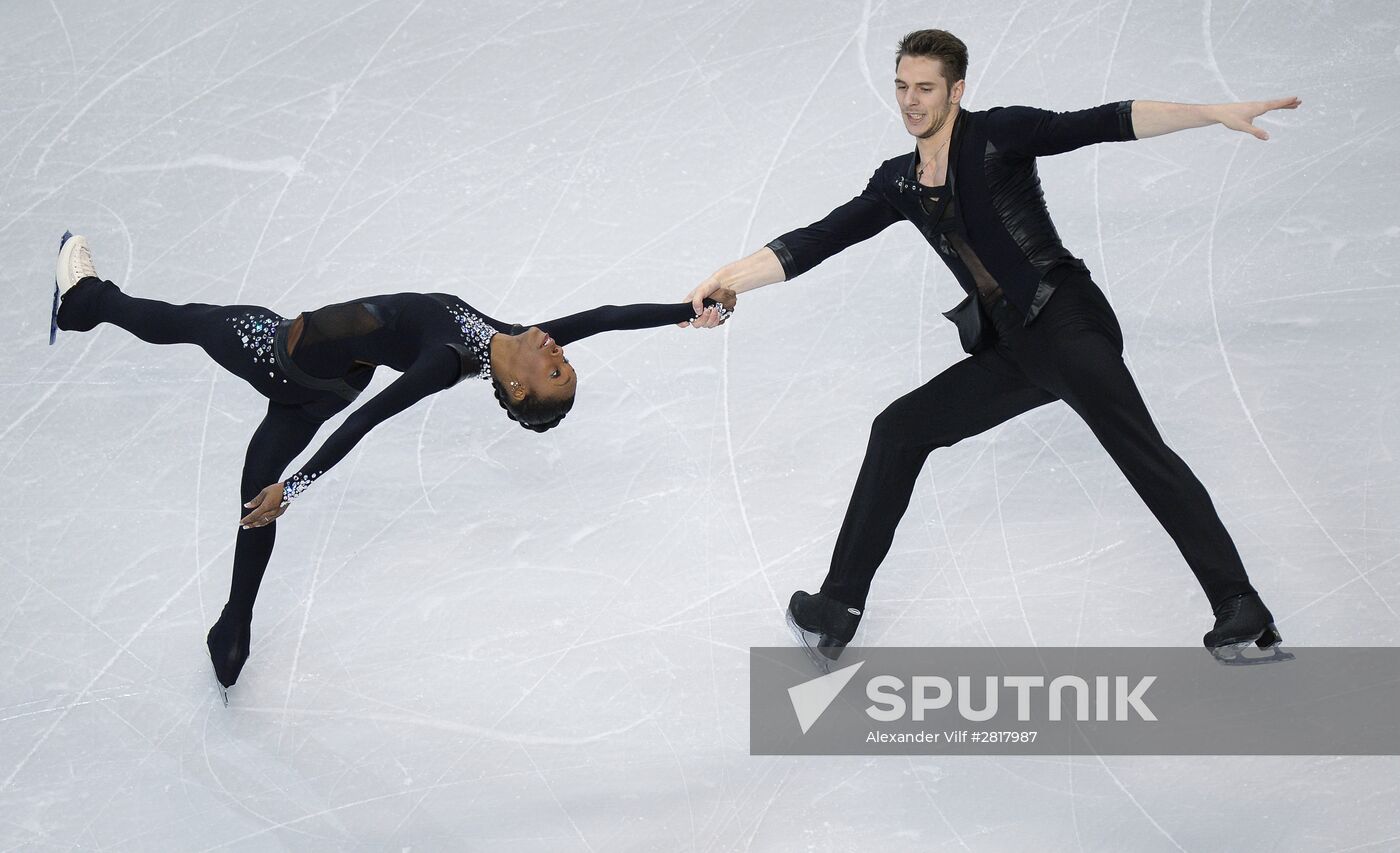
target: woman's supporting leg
283 433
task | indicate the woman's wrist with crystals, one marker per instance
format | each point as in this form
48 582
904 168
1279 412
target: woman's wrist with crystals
296 484
723 312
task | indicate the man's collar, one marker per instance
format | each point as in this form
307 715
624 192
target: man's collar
952 148
910 181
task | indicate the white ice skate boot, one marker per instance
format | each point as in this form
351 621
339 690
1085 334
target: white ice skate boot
74 265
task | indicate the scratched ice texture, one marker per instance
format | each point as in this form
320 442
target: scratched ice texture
475 637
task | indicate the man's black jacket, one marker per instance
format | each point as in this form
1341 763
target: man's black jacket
999 204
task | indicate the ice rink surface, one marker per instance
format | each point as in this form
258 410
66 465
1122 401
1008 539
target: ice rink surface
473 637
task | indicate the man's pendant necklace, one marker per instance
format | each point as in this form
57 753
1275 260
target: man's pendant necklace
922 165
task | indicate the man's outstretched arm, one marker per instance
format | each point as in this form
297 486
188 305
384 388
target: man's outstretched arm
1155 118
797 251
755 271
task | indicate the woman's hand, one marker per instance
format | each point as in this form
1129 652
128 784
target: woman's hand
266 508
725 297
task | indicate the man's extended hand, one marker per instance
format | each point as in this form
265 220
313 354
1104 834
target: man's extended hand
266 507
759 269
1241 116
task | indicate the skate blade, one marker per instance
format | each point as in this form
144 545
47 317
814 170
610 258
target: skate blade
810 644
1269 643
53 313
53 316
223 691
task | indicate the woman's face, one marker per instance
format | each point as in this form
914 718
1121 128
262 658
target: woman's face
541 368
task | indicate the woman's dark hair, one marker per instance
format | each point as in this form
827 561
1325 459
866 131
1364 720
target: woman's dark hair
532 413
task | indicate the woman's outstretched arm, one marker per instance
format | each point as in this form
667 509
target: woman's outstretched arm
607 318
437 368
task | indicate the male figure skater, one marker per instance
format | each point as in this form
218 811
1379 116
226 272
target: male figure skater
1036 326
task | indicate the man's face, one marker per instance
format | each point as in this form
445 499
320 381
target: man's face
923 95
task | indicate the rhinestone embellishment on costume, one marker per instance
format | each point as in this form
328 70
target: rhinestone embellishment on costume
476 334
296 484
258 333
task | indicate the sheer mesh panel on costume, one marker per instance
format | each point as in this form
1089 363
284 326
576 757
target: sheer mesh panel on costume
337 322
988 291
325 348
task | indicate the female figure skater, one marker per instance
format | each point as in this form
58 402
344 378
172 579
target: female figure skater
311 367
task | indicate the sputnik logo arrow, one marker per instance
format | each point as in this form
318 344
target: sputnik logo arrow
810 699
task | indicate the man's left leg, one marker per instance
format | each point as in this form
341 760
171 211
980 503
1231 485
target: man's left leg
1077 355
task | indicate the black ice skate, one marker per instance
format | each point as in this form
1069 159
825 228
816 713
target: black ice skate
1240 622
228 643
822 625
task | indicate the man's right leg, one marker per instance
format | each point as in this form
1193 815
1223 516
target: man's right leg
968 398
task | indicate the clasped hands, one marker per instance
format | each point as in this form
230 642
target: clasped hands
707 317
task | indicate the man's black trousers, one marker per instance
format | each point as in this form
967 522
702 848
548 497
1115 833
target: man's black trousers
1073 351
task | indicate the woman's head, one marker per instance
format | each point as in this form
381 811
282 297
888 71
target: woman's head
533 381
